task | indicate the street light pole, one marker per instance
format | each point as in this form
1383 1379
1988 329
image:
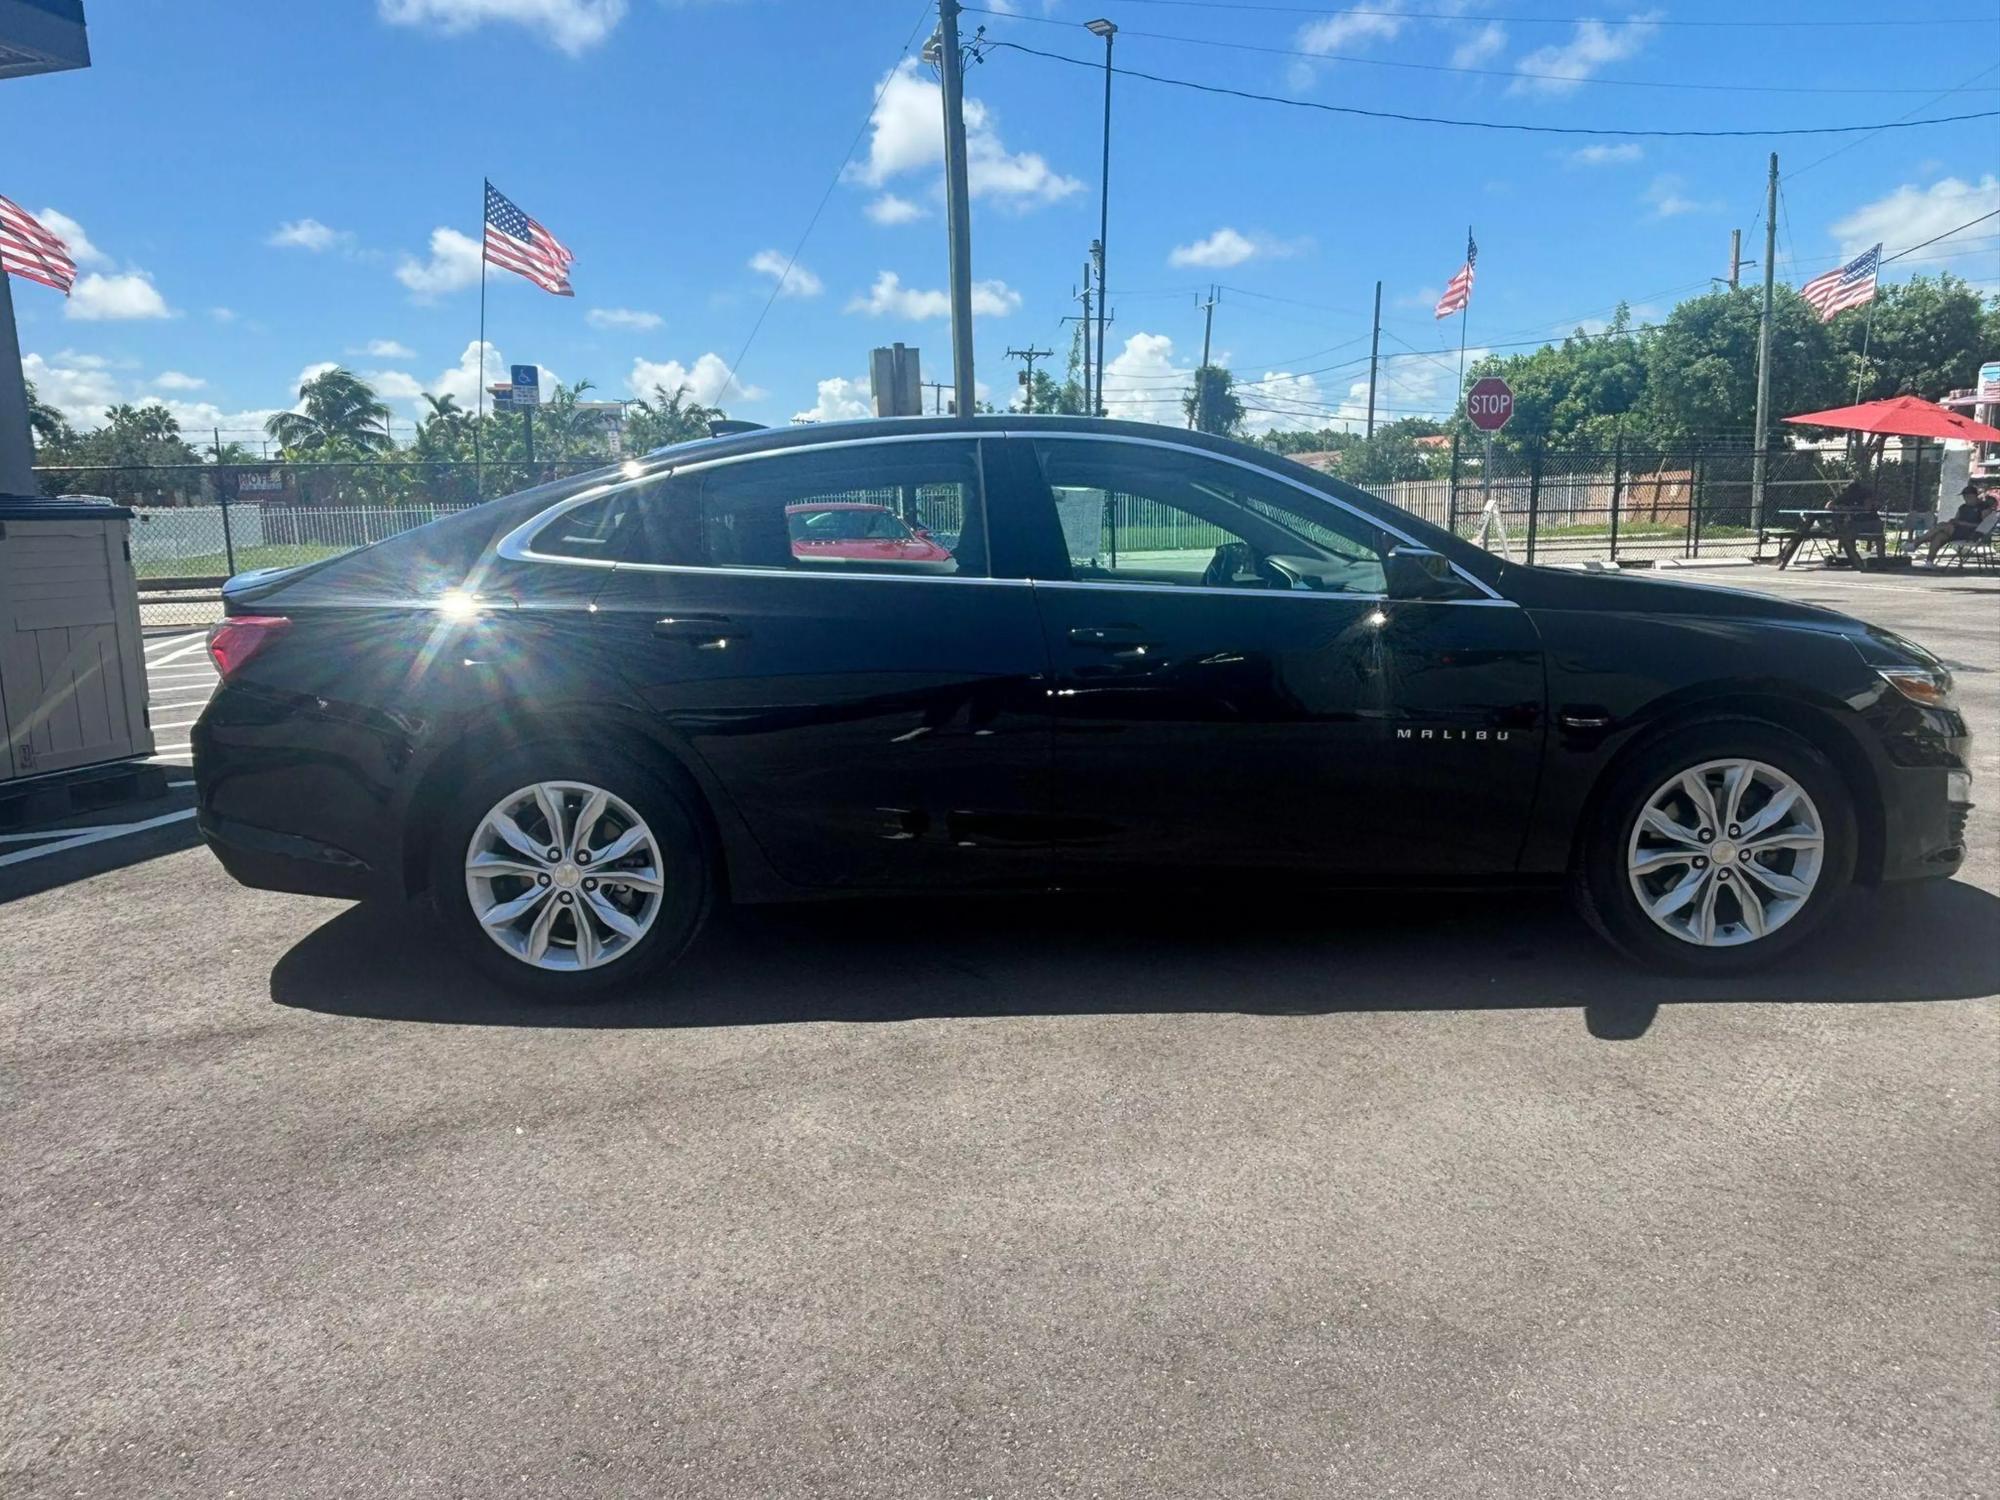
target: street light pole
958 206
1106 30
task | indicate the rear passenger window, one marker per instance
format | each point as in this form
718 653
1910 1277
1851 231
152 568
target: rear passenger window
874 508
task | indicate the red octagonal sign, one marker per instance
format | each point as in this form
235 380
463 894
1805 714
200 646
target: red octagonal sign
1489 403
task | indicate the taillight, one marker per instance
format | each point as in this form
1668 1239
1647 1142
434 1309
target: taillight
240 637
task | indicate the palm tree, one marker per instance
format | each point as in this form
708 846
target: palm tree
562 424
339 413
667 418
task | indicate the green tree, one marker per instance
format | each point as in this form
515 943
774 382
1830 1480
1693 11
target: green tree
1212 402
1701 366
1046 395
54 437
1301 440
1923 338
1576 393
339 417
668 417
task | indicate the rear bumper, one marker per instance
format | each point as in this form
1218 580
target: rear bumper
269 861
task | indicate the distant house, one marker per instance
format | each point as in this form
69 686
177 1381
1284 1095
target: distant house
1327 461
1438 442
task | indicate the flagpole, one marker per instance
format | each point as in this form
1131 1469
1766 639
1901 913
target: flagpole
479 357
1464 317
1867 333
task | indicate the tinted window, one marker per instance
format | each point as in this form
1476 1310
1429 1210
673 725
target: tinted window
1136 514
630 524
887 507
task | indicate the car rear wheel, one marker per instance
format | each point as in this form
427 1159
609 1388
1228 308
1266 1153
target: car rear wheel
567 874
1718 849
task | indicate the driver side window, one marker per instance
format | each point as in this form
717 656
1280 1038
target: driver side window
1140 515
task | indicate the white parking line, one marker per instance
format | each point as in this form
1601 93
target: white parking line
177 724
167 643
95 836
176 654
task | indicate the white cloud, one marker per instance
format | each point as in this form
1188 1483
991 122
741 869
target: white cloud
889 209
1912 214
839 400
889 297
1349 31
66 229
793 279
1223 248
1281 400
907 135
1667 194
1590 47
621 317
571 26
453 266
395 385
223 314
1144 383
709 381
176 380
97 298
1483 45
1604 156
387 349
81 386
307 234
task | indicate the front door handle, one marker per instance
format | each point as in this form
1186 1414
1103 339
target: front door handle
703 632
1107 637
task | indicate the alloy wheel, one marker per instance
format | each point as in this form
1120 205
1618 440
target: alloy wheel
1725 853
564 875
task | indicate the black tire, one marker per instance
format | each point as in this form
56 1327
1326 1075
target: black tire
688 871
1602 886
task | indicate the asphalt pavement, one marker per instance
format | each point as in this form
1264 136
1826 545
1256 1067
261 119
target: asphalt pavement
1417 1196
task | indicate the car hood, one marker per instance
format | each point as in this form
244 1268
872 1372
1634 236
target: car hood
1642 594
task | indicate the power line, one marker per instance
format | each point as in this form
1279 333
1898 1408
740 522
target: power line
1995 214
1510 73
1501 125
1814 22
735 369
1957 88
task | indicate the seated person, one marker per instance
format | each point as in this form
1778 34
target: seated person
1854 515
1963 524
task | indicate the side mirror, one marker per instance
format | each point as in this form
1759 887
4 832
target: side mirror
1414 572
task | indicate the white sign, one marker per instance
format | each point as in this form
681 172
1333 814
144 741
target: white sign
1989 382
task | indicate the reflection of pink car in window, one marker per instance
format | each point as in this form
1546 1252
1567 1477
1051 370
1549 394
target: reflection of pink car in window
854 530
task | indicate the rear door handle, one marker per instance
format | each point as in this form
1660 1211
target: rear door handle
1107 637
704 632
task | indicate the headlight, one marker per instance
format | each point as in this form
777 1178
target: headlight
1931 689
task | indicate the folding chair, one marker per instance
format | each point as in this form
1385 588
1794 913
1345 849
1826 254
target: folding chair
1980 547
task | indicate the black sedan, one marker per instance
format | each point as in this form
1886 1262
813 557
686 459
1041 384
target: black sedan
577 717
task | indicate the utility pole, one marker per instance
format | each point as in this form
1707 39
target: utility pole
1735 259
1200 385
1106 30
1374 350
1089 401
1760 454
937 388
1028 356
958 205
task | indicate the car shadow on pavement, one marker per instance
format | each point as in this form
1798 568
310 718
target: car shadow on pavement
899 960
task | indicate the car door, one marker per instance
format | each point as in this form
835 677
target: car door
1233 689
820 627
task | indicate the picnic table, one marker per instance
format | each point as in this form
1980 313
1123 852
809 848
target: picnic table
1824 522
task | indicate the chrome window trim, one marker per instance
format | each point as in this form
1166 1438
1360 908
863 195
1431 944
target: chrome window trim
514 546
1492 595
1321 595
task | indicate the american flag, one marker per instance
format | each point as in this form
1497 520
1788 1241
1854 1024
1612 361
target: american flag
1458 295
518 243
27 249
1844 287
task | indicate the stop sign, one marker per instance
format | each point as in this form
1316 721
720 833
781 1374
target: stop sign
1489 403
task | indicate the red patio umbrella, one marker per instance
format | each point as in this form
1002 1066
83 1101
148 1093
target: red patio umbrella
1901 416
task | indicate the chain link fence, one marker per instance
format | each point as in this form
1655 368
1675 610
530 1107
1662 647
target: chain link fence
1638 506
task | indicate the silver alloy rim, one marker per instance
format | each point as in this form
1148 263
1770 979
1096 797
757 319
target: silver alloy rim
564 876
1726 853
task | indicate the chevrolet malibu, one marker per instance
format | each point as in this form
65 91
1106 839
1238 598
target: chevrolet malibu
1076 653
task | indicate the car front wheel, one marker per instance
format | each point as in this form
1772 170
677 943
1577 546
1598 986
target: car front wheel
567 874
1718 849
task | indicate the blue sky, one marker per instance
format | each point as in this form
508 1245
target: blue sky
256 189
